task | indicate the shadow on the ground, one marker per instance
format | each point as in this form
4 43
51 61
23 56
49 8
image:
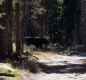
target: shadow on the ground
69 68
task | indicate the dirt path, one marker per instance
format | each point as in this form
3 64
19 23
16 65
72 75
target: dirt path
60 68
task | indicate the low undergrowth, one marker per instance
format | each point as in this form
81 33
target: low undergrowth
78 48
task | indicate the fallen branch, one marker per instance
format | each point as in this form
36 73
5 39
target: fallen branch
5 74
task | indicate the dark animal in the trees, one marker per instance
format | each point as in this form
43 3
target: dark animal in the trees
44 41
37 42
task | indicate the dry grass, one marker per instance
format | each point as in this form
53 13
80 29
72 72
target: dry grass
42 55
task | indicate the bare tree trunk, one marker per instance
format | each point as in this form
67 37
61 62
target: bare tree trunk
19 29
78 22
21 13
9 26
83 28
2 44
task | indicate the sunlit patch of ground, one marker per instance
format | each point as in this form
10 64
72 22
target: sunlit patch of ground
59 67
13 73
44 55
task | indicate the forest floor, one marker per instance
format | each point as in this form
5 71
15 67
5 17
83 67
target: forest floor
58 66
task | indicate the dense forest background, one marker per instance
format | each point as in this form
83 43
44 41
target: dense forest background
63 22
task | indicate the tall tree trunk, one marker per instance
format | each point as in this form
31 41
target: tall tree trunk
83 28
18 30
2 44
78 21
9 26
19 27
69 20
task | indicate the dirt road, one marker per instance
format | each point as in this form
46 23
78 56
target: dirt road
60 68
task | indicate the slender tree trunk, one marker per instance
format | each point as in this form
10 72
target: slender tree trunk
19 27
83 28
18 30
78 22
9 26
2 44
